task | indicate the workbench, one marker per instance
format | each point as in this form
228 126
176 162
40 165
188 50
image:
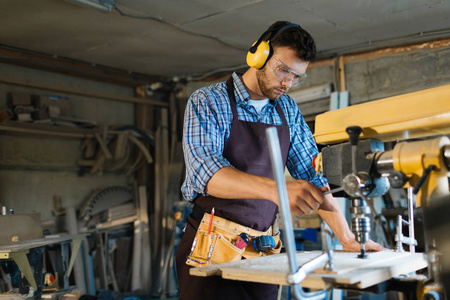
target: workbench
349 271
18 252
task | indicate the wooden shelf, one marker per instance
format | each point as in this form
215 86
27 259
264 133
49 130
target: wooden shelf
46 130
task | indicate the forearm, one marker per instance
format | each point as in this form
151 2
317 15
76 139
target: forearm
331 213
333 216
230 183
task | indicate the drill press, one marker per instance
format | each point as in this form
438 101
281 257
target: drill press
357 185
349 166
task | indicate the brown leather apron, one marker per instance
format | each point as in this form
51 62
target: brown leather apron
248 151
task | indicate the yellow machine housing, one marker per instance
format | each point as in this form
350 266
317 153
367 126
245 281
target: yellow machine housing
400 118
412 115
413 158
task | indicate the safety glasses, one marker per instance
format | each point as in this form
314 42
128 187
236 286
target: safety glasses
284 73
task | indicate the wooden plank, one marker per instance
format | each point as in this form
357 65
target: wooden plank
45 130
103 145
271 264
173 196
80 92
137 248
146 278
145 120
122 140
142 148
349 270
115 223
73 67
163 163
252 276
347 261
157 193
71 223
103 277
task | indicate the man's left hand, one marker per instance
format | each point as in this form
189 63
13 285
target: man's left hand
354 246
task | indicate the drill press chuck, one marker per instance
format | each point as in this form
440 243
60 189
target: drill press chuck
361 223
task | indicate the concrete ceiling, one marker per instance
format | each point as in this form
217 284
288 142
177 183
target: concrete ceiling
196 38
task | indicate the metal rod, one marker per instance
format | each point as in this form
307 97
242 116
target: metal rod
411 198
354 148
399 234
296 273
333 191
278 173
307 268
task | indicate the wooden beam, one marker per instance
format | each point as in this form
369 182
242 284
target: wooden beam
342 85
80 92
145 260
44 130
145 115
72 67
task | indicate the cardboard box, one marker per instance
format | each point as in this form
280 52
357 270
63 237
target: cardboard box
22 99
62 104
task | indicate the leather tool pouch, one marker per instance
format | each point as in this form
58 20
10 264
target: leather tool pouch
213 248
218 246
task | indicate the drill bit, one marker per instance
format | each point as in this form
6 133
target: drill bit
363 251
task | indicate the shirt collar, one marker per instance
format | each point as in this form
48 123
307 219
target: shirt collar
241 93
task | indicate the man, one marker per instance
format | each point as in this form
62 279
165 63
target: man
228 166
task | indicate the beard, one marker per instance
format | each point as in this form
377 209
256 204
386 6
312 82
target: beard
271 92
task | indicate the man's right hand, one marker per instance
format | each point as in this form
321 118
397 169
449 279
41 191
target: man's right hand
304 197
230 183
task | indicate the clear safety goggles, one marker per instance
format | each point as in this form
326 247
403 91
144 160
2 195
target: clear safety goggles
284 73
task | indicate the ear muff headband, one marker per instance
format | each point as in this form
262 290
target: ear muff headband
261 51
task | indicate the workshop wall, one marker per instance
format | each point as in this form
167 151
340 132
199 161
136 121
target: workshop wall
34 169
375 75
397 71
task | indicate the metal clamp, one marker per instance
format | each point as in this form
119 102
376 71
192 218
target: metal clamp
309 267
400 238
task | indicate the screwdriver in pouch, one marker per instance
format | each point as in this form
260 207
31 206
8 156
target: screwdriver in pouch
264 243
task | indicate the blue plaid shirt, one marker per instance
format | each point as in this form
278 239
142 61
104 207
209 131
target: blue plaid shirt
207 125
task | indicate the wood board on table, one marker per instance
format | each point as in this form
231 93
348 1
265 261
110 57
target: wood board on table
348 269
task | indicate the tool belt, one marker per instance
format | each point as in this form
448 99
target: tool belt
218 246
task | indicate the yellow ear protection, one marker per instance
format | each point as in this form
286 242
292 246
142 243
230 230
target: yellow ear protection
261 51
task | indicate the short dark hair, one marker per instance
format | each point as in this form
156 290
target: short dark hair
296 38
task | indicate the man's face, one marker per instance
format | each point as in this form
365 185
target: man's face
271 83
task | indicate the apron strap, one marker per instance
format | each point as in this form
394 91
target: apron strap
233 103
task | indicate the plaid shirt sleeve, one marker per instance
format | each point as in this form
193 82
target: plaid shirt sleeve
303 147
205 128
